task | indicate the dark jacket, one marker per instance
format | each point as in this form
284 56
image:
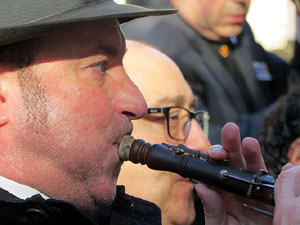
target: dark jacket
263 74
125 210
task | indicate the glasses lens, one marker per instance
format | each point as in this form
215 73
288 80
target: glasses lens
179 123
202 118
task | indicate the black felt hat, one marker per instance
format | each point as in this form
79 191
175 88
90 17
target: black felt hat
23 19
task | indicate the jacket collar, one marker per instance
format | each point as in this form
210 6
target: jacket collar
18 190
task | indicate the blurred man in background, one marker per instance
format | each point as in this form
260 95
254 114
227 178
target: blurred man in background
232 76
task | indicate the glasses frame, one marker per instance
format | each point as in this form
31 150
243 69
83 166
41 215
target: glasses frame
192 115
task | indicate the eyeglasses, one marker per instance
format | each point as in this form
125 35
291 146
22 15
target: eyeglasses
179 120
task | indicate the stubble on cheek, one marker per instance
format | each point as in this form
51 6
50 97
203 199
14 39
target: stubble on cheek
34 107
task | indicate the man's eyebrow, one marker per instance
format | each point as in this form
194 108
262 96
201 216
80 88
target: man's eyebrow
106 49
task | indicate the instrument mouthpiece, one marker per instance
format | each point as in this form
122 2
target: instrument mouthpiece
125 146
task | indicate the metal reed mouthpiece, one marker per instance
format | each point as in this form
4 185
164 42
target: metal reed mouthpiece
125 146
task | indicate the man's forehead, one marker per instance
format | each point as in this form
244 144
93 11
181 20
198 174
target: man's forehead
103 33
178 100
97 26
102 36
83 28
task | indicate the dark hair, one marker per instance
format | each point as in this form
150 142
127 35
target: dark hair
280 129
20 54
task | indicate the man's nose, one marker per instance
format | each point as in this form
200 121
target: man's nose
197 139
127 98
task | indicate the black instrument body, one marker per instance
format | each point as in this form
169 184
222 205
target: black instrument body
257 186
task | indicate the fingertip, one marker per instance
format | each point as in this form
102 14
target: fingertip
231 124
217 152
231 136
250 147
228 128
252 154
250 140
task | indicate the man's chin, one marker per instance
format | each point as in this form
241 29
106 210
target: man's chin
104 192
231 30
106 197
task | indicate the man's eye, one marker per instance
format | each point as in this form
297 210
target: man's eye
100 66
155 119
174 116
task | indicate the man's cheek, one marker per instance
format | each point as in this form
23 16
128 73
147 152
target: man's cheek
93 106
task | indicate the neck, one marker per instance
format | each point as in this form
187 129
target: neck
35 173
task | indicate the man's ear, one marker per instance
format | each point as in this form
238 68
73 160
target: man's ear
294 152
3 107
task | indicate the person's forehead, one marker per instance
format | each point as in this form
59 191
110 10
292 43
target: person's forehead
88 38
100 29
101 33
176 99
167 89
158 78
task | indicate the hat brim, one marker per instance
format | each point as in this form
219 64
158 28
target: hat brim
90 12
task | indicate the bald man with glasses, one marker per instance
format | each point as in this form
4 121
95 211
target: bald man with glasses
171 119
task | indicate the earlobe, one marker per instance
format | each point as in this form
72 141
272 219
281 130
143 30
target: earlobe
3 110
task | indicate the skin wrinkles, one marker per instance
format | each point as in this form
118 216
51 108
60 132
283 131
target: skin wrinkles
162 85
81 111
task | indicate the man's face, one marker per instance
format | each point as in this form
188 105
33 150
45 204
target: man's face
218 19
75 108
162 85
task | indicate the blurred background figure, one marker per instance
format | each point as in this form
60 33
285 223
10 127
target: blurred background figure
231 75
280 137
170 111
274 29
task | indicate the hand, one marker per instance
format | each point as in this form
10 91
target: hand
287 196
221 207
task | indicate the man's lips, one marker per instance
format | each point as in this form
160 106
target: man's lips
126 131
238 18
118 141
